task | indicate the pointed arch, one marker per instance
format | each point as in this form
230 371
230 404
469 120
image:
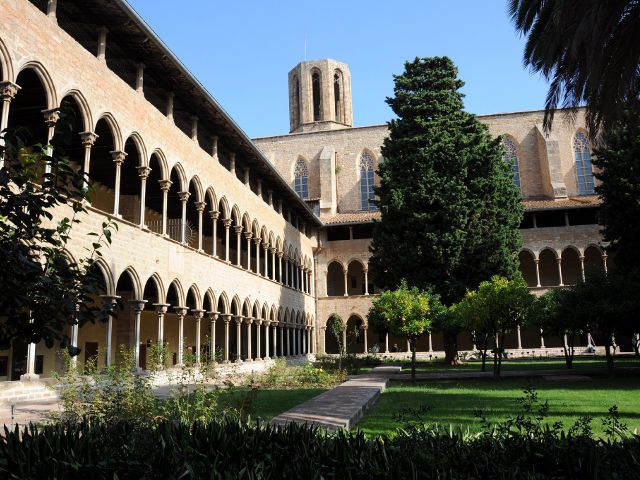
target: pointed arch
182 177
47 83
584 170
161 159
83 107
236 216
246 222
6 63
113 127
224 208
140 147
197 184
236 305
175 289
155 282
212 198
209 301
257 309
107 276
135 281
223 301
316 94
274 313
246 307
194 299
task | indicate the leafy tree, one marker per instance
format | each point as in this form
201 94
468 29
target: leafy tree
497 307
43 290
405 312
337 329
588 50
449 209
618 162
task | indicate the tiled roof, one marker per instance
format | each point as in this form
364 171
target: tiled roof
575 202
351 217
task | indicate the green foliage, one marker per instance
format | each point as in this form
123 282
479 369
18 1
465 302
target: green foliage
588 51
618 163
307 375
450 212
46 291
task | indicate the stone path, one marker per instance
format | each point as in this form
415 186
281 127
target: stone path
343 406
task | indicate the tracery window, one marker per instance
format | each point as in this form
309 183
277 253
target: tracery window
301 179
337 96
367 173
584 172
510 157
315 87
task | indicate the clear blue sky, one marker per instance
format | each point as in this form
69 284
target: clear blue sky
242 51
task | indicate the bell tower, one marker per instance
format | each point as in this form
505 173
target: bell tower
320 96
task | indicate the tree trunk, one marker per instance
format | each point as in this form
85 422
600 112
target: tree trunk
412 342
450 348
484 353
498 363
607 350
567 348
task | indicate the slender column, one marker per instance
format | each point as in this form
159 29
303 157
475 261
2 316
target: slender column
248 236
194 128
51 8
51 117
265 247
386 342
249 322
143 173
138 307
366 281
214 147
140 78
102 43
112 301
87 139
184 197
519 337
238 338
161 309
537 262
286 271
273 263
169 105
364 332
280 267
344 339
288 341
303 274
298 340
430 342
345 272
74 340
541 339
31 363
165 186
227 225
258 328
227 319
200 208
232 163
582 267
181 311
259 188
238 230
257 241
212 336
267 327
559 260
474 347
604 262
198 314
118 159
275 341
247 177
300 284
8 91
214 220
270 197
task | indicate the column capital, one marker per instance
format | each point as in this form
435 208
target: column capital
226 317
248 235
258 321
280 254
200 206
248 320
214 214
257 240
197 313
184 196
8 90
181 310
272 250
536 261
143 171
88 138
213 316
118 156
161 307
51 117
165 185
138 305
227 223
239 319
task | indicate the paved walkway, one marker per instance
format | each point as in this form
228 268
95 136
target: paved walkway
343 406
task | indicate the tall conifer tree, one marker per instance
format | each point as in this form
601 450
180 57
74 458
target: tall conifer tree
450 209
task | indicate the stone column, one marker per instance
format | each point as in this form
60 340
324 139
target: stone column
51 9
143 173
161 309
214 218
169 105
31 363
88 139
249 322
257 241
267 327
604 262
232 163
248 236
8 91
227 319
559 259
181 311
165 186
213 316
140 78
286 271
386 342
74 342
344 338
541 339
194 128
246 177
275 341
364 332
138 307
118 158
200 208
102 44
537 262
280 254
238 230
430 342
273 263
214 147
258 328
238 339
288 341
346 274
366 281
519 337
582 267
51 117
198 314
112 301
265 247
227 225
184 197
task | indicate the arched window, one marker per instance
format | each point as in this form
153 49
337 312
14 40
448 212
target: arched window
296 101
584 173
337 96
367 194
301 179
315 86
511 157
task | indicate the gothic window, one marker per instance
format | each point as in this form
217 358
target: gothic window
367 194
584 172
315 86
301 179
511 158
337 96
296 101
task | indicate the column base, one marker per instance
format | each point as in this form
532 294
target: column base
29 377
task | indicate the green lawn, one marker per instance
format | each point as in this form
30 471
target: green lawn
270 403
541 363
453 402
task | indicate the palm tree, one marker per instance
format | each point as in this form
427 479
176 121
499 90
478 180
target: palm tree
589 51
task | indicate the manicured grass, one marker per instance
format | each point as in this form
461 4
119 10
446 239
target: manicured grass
453 402
269 403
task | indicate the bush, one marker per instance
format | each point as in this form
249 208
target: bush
303 376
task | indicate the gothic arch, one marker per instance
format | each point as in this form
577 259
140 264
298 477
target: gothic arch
179 169
107 276
195 180
224 208
224 300
194 292
83 106
114 128
45 79
159 287
209 300
179 291
162 162
135 280
6 64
